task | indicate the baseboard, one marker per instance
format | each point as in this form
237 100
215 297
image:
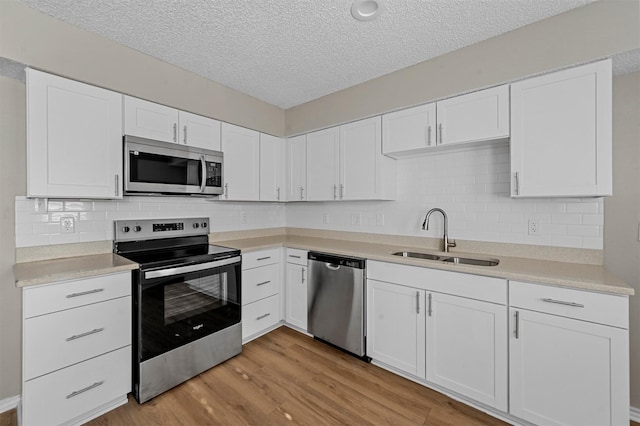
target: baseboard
635 414
9 403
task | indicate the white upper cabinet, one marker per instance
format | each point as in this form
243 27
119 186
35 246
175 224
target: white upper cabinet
323 165
296 168
199 131
150 120
474 117
409 131
272 168
561 133
241 148
154 121
74 139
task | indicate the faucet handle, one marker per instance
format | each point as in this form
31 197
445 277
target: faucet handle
452 243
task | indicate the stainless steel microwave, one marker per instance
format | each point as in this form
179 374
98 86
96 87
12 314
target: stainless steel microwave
155 167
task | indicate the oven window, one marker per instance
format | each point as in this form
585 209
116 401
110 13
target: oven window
173 311
192 298
154 168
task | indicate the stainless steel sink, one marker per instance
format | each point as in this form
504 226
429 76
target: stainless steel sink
418 255
448 259
470 261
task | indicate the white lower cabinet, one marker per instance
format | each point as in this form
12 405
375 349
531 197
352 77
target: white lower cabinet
296 288
76 349
467 348
396 326
565 371
261 280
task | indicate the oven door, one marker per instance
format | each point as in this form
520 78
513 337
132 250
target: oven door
179 305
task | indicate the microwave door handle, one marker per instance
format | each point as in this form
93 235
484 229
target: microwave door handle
203 165
190 268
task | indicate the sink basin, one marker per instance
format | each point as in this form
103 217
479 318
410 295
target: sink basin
418 255
470 261
448 259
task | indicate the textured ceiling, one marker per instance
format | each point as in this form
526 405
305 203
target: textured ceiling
287 52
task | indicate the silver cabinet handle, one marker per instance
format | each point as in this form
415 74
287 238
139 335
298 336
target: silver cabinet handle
341 191
301 193
175 132
185 134
517 327
440 131
263 316
417 302
428 135
335 190
117 184
84 293
562 302
517 181
262 283
78 392
429 310
263 258
226 191
295 256
278 194
302 270
88 333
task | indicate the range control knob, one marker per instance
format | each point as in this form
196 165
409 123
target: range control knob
196 225
137 228
204 224
125 229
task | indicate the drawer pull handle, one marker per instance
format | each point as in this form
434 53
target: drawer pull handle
84 293
562 302
295 256
263 283
88 333
263 316
517 326
83 390
264 258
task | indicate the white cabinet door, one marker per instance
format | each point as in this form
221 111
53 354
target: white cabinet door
467 348
567 372
409 131
477 116
396 326
150 120
74 139
272 168
296 295
241 148
561 133
199 131
323 164
296 168
365 173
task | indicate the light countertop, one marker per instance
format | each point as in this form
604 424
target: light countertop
573 275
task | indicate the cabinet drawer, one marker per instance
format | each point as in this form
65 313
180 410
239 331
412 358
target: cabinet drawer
258 283
71 294
63 338
297 256
584 305
259 315
73 391
260 258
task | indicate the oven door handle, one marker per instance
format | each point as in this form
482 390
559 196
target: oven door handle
203 166
190 268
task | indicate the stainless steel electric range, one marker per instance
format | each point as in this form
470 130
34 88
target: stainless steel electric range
186 301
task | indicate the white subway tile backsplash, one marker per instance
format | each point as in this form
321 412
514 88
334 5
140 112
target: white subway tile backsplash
588 207
566 219
583 230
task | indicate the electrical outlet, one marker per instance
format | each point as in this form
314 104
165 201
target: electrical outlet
67 225
534 227
39 206
355 219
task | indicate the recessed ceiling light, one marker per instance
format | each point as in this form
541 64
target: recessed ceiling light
366 10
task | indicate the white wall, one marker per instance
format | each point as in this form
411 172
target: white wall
94 219
473 188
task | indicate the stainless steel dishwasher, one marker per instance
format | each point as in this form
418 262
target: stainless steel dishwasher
336 308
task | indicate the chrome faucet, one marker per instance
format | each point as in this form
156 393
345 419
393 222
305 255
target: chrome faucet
425 226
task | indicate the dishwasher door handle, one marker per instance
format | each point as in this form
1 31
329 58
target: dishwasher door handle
332 266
